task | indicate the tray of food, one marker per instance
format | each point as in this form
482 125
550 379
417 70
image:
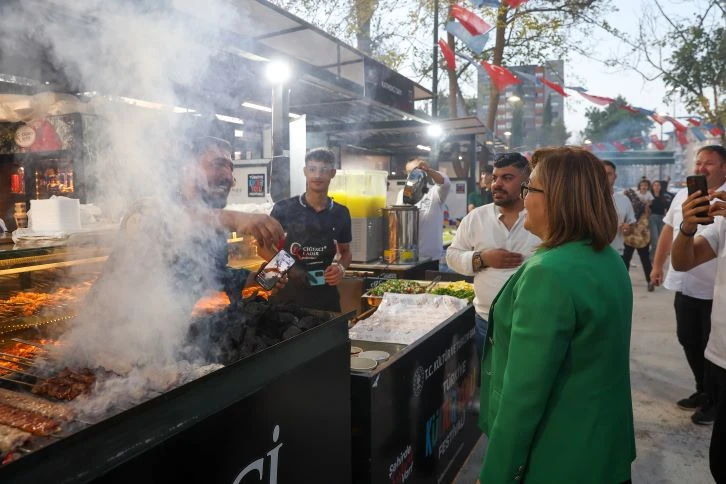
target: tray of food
374 295
460 289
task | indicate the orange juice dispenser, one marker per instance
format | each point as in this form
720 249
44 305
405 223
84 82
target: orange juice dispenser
364 193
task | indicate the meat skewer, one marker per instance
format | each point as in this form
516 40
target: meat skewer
66 385
12 438
37 405
27 421
30 343
20 382
13 361
21 358
12 370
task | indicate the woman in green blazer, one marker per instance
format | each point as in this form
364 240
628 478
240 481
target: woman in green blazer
555 394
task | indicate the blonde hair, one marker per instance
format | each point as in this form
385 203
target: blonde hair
577 196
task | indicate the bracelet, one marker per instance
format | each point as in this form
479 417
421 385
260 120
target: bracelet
680 229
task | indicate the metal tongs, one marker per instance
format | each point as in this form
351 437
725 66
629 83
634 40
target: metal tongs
432 284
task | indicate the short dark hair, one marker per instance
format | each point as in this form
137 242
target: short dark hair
610 164
718 149
202 144
323 155
646 181
514 159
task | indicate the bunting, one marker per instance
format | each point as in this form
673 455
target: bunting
448 54
599 100
658 118
698 134
628 108
475 43
471 21
619 146
657 142
576 88
555 87
500 76
681 137
713 129
485 3
681 128
646 112
694 121
529 77
514 3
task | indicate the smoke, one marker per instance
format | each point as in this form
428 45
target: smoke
137 316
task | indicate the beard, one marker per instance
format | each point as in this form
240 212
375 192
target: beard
216 196
505 202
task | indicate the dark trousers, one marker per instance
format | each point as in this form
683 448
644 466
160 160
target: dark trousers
717 451
693 325
644 254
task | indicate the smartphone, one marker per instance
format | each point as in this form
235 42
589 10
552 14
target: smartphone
694 184
317 277
274 270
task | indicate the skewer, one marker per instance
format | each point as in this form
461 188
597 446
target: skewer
29 343
29 360
10 370
10 360
16 381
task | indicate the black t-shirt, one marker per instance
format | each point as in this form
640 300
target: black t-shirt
659 205
310 236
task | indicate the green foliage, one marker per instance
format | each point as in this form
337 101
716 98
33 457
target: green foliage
613 123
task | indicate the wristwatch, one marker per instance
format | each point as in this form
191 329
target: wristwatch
477 262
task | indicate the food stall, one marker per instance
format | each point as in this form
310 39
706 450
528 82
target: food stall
411 412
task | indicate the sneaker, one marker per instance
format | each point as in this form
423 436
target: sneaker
705 416
693 402
650 287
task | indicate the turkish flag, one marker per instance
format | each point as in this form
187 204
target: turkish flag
658 118
500 76
619 146
601 146
657 142
471 21
628 108
694 121
514 3
682 138
555 87
448 54
715 130
680 127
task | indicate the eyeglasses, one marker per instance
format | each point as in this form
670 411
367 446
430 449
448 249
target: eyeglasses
525 189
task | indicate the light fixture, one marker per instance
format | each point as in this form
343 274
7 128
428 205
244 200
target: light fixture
588 142
424 148
489 142
507 133
514 98
278 72
229 119
434 130
461 157
393 173
239 133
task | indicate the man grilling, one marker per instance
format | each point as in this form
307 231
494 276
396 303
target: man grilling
318 235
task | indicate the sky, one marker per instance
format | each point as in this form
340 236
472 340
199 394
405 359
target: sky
610 82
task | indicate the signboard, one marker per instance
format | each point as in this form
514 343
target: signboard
256 185
387 87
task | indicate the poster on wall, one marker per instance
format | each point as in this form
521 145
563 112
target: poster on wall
256 185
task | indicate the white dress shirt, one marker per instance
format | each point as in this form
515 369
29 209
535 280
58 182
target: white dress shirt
698 282
626 215
715 235
483 229
431 219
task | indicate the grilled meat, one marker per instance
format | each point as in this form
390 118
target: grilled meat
27 421
33 404
60 388
11 438
84 375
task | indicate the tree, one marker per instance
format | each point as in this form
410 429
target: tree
614 123
517 138
688 54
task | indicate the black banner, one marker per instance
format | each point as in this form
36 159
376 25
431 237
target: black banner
387 86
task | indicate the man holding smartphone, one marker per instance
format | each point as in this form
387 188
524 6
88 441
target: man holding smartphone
318 236
693 248
694 287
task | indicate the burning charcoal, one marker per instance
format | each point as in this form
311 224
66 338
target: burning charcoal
307 322
290 332
287 319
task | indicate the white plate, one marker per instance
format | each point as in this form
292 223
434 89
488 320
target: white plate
375 355
357 363
354 350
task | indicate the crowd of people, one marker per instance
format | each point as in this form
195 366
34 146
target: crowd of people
554 308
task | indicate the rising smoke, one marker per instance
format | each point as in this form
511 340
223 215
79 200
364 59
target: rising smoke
135 320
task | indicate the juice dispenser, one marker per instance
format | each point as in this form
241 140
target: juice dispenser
364 193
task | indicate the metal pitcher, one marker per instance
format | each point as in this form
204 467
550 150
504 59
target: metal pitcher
400 234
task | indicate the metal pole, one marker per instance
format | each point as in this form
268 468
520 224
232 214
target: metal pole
435 83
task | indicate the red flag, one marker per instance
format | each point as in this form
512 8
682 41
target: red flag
619 146
514 3
555 87
500 76
599 100
601 146
716 131
694 121
682 138
657 142
636 139
658 118
471 21
448 54
680 127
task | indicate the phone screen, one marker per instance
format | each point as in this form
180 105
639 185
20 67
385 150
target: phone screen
274 270
696 183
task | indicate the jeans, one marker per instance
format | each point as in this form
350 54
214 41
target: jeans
718 436
644 259
693 326
480 333
656 227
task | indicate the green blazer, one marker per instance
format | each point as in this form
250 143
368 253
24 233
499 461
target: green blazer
555 389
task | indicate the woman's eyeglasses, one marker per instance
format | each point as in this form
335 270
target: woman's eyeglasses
525 189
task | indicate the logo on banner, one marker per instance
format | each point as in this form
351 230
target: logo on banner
258 466
418 381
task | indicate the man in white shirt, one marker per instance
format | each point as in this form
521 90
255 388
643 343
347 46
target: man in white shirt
491 241
694 288
626 215
691 250
430 211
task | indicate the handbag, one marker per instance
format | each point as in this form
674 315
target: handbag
639 237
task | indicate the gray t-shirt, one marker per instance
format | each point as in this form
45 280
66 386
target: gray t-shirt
626 215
